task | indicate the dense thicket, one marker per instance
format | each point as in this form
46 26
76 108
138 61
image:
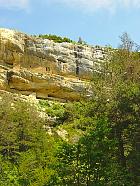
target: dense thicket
99 144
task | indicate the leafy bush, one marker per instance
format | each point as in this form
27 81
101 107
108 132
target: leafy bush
55 110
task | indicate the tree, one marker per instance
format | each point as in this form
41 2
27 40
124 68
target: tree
80 41
126 42
26 151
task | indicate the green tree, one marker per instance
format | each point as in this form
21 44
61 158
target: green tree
26 150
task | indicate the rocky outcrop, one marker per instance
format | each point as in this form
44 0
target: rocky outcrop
46 86
31 65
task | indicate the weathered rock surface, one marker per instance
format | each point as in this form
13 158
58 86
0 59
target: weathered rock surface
31 65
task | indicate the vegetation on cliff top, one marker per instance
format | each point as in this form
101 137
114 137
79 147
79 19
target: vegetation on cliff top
56 39
59 39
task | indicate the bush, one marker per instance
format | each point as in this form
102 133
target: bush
56 39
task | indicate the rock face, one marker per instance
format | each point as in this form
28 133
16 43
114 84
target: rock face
31 65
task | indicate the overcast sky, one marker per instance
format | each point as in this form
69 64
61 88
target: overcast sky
98 22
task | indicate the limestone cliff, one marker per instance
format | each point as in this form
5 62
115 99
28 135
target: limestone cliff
31 65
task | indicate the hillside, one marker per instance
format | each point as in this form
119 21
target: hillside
51 133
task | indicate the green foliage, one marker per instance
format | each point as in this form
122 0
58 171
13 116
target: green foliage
25 148
90 161
54 110
56 39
